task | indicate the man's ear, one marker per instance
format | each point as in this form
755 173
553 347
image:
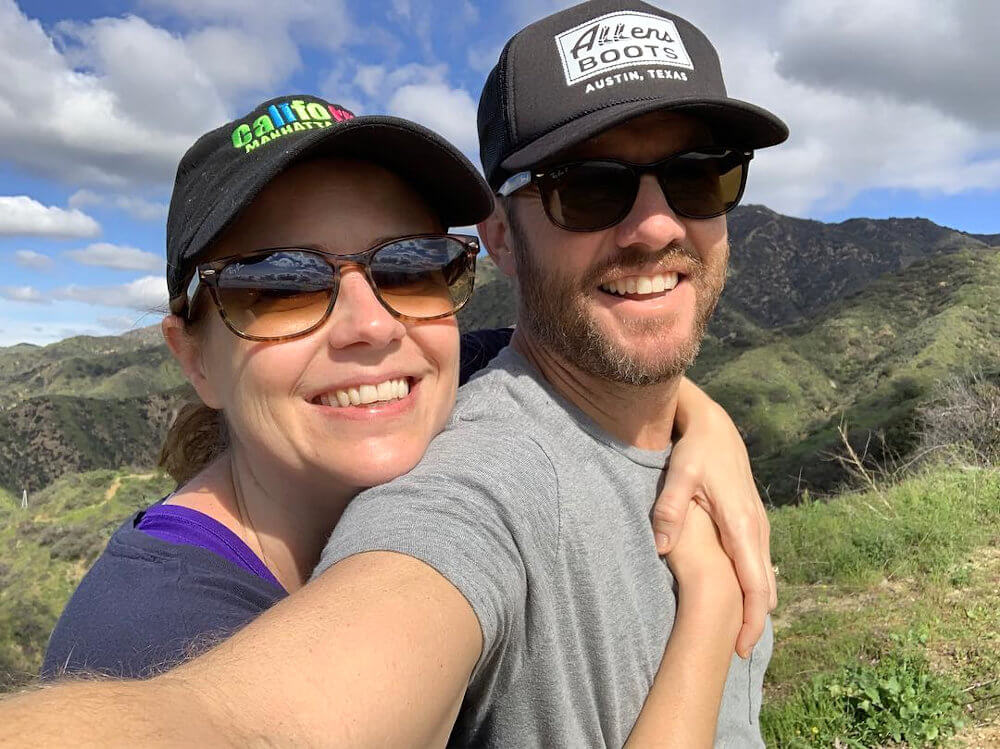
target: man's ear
496 236
186 349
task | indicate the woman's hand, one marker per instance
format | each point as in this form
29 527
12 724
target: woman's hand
700 565
682 708
709 464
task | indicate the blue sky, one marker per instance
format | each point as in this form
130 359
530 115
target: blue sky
893 111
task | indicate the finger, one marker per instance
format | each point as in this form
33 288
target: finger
764 526
741 540
754 616
671 507
772 578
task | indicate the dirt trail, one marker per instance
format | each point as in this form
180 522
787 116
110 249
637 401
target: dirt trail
117 483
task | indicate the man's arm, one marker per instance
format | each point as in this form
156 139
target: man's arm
709 463
377 651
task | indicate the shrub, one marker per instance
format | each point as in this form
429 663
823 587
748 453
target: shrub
963 418
895 699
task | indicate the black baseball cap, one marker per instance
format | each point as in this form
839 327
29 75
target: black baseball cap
598 64
226 168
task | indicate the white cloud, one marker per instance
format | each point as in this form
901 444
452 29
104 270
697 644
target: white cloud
402 8
416 92
142 209
119 323
23 294
322 23
370 78
106 255
33 260
925 52
116 101
137 207
84 198
226 54
448 111
120 104
24 216
146 294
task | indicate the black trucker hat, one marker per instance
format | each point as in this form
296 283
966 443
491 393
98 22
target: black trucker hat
583 70
226 168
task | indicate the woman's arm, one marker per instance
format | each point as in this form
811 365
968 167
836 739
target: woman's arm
682 709
709 463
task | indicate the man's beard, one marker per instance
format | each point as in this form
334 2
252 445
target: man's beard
554 311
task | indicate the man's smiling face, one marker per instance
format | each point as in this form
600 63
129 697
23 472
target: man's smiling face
630 303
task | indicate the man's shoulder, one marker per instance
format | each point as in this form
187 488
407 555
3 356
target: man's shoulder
508 396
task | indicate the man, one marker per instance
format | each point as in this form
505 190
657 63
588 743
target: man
508 590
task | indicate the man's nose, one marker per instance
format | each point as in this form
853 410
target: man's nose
652 223
358 316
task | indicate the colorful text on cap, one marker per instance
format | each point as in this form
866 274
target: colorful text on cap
287 117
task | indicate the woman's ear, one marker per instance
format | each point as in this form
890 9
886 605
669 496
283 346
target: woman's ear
496 235
186 349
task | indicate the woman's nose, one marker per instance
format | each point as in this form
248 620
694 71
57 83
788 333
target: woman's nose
358 316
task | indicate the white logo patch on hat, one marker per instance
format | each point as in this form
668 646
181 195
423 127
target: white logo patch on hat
620 40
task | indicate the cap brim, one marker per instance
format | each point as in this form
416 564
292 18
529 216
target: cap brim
438 171
733 122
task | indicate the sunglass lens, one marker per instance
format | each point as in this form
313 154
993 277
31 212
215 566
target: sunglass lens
590 195
703 185
282 293
424 277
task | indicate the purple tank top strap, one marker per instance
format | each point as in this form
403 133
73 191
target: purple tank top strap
182 525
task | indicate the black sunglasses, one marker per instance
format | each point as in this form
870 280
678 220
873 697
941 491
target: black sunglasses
287 292
595 194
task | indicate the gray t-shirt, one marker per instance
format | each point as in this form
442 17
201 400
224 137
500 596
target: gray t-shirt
541 520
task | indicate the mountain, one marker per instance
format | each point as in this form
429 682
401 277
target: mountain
993 240
49 436
786 269
819 322
869 360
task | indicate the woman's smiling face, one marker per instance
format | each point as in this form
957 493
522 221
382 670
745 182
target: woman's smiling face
275 395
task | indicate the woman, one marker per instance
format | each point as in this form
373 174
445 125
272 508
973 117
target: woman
318 330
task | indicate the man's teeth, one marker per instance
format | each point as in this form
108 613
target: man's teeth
642 284
364 394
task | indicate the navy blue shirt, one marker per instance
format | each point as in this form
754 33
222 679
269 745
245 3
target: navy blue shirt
147 604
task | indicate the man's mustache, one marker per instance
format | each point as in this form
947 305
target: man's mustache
631 258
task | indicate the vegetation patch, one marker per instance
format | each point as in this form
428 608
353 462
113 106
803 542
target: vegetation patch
897 699
884 589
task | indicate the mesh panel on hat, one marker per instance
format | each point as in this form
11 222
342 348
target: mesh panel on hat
493 130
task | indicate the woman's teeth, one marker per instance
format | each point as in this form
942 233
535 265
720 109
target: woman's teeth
364 394
642 284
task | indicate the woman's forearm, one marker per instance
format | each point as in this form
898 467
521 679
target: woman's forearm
692 403
682 708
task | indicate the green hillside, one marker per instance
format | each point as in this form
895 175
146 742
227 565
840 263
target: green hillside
45 550
48 436
868 360
134 364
